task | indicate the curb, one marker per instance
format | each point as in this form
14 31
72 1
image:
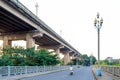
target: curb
95 78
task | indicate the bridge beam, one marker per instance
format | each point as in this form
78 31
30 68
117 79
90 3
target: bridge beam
56 48
9 37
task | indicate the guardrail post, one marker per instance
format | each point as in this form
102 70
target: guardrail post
44 68
113 71
8 70
25 69
119 71
0 72
59 67
36 69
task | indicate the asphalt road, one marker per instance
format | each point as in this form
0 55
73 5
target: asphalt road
83 73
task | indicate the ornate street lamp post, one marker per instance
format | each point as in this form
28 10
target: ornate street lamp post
98 24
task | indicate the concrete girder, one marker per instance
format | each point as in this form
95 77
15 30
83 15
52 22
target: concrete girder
38 34
8 37
56 48
53 47
20 35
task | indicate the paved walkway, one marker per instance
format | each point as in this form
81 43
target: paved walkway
105 76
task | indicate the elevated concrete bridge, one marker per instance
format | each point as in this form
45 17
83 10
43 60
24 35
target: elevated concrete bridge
19 23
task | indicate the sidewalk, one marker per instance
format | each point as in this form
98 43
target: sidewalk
105 76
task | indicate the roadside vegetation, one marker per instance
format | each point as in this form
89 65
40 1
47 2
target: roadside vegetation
85 60
113 62
18 56
91 60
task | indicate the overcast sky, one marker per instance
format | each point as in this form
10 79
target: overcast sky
74 21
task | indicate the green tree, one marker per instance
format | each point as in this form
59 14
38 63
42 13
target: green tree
17 56
73 62
85 60
43 57
5 60
92 59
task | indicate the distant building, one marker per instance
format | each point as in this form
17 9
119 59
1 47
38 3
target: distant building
109 59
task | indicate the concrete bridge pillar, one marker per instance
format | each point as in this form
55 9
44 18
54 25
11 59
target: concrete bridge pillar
73 57
57 51
30 42
6 41
66 58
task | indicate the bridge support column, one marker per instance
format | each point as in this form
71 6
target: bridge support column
73 57
66 58
57 51
6 41
30 42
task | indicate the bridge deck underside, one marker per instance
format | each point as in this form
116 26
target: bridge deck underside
10 23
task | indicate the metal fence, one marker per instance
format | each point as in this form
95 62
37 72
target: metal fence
6 71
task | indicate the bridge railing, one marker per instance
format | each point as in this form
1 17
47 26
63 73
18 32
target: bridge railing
6 71
115 70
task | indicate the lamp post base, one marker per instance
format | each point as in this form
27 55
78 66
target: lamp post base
99 72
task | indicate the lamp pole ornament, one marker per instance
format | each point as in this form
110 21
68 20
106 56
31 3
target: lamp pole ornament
36 5
98 24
